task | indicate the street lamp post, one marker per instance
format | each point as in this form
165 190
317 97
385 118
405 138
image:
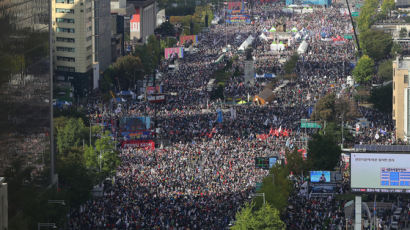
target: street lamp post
260 195
48 225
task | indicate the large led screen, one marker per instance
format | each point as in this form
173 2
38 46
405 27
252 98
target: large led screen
380 172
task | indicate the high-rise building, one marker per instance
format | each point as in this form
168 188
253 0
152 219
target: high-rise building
25 75
102 31
401 97
72 22
3 205
143 20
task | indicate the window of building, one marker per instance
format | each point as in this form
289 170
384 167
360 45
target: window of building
68 59
65 1
89 48
63 39
65 49
65 68
394 85
65 20
89 28
89 38
65 30
406 79
65 11
89 57
89 10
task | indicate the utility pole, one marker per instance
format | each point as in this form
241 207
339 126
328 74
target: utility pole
52 154
354 29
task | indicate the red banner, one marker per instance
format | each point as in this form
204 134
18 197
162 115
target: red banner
146 144
193 38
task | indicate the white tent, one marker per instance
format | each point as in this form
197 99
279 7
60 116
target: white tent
273 29
294 29
303 47
277 47
263 37
246 43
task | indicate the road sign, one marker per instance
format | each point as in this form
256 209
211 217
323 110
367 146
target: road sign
305 123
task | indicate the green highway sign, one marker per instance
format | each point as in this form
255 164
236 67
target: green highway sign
355 14
305 123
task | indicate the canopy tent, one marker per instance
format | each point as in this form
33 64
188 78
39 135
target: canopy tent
303 47
246 43
264 97
272 30
294 29
276 47
263 37
265 75
241 102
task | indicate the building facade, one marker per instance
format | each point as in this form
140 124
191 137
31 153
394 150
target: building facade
102 31
3 205
73 35
143 21
401 97
25 75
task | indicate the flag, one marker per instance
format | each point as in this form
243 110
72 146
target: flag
271 132
219 116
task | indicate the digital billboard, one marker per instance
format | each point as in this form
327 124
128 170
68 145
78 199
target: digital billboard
320 176
380 172
265 162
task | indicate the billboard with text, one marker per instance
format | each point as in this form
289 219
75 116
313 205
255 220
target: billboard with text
380 172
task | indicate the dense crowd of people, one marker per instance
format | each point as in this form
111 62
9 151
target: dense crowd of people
207 170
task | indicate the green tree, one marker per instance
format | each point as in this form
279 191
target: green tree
70 135
323 152
295 162
376 44
75 180
290 64
103 156
381 98
276 187
127 70
387 7
325 108
166 29
363 72
385 70
267 217
367 15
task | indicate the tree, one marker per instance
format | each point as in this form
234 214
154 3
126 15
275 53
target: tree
376 44
166 29
325 108
381 98
323 152
127 70
70 135
266 217
387 7
386 70
103 158
276 187
363 72
367 15
290 64
403 32
295 162
75 180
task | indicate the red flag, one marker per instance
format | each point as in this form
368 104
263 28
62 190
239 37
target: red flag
271 131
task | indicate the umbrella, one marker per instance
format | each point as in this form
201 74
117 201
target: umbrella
241 102
294 29
273 29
